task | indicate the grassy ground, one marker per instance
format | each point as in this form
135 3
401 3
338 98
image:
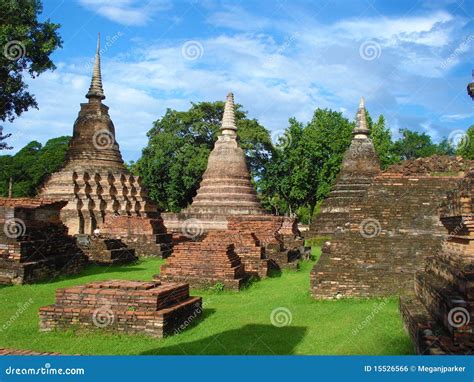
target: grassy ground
232 323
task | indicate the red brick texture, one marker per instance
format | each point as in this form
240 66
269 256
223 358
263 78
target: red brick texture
34 244
153 308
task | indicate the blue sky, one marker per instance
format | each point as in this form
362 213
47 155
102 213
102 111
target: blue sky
411 60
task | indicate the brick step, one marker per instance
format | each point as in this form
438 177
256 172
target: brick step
449 270
200 282
152 323
439 298
427 335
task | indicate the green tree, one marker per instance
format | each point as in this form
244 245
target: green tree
445 147
382 138
26 45
302 172
414 145
4 145
29 167
466 145
179 144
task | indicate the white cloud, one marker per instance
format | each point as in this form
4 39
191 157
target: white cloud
311 66
126 12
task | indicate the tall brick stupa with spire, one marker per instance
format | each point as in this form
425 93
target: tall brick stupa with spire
359 166
100 191
226 188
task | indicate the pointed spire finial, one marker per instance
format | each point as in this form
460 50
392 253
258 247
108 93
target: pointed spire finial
95 90
361 130
228 126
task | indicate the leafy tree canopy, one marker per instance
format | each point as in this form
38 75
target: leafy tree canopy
26 45
466 144
414 145
31 165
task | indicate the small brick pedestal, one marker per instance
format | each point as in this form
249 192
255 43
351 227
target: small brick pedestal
203 264
136 307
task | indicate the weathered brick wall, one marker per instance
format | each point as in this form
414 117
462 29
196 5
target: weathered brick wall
278 235
385 240
246 246
439 312
148 237
34 244
133 307
204 264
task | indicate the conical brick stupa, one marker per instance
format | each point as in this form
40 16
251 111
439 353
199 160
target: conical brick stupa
226 188
100 191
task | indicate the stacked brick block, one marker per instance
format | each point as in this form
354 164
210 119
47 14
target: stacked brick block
204 264
278 235
133 307
104 251
34 244
147 236
246 246
439 313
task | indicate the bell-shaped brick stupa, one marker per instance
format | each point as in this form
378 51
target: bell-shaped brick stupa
226 188
100 191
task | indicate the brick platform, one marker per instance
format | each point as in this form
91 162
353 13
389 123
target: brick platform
34 244
439 313
134 307
203 264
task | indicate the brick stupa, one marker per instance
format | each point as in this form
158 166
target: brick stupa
359 166
100 191
226 188
381 225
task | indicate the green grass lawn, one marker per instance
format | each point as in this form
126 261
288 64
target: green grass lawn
232 323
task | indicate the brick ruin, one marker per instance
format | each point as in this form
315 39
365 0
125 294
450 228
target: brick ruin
359 166
6 351
389 234
226 211
34 244
439 313
98 187
381 225
251 246
204 264
105 251
133 307
148 237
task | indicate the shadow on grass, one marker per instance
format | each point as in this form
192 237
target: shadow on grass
249 339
